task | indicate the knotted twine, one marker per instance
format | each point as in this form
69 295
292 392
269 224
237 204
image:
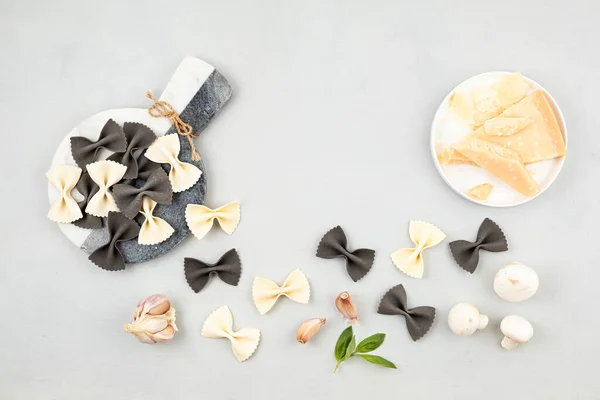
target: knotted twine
162 108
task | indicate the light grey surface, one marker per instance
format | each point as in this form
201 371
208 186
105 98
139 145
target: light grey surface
328 124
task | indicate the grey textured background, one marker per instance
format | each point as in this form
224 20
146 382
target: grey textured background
329 123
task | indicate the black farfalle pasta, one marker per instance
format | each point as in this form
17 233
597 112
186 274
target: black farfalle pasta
120 229
145 166
228 269
129 197
87 188
489 237
139 137
334 244
418 320
111 138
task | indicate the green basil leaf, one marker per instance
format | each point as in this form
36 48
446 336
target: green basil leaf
378 360
371 343
342 343
350 349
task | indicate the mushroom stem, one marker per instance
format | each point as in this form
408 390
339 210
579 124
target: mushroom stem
508 343
483 321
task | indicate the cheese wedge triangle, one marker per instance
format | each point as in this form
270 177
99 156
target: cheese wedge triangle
489 102
501 162
537 140
479 105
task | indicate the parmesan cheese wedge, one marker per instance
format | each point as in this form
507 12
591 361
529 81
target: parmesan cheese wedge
539 139
491 101
501 162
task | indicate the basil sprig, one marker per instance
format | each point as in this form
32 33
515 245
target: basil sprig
346 347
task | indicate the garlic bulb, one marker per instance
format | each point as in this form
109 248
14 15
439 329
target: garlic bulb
345 306
309 328
153 321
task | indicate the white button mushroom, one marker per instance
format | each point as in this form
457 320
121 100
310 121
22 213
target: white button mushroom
516 330
516 282
464 319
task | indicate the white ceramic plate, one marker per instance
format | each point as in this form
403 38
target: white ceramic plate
447 129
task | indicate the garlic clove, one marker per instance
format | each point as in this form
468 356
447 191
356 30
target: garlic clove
143 337
170 315
154 324
309 328
165 335
156 305
346 307
148 324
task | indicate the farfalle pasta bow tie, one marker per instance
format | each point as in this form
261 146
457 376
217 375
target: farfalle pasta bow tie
145 167
265 292
139 137
165 149
418 320
87 188
228 269
219 324
154 230
200 218
104 174
129 197
424 235
334 244
489 237
65 209
120 229
111 138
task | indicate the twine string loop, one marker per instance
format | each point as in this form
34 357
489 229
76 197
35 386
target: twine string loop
161 108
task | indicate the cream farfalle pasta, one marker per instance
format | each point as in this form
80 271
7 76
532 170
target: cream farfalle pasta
154 230
165 150
265 292
105 174
65 209
200 218
87 189
424 235
219 324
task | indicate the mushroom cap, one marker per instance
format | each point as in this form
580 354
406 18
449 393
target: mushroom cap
516 282
516 328
464 319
